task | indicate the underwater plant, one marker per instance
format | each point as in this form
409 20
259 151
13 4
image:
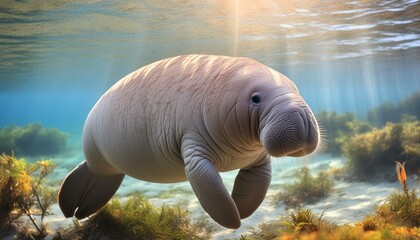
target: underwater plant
339 127
401 209
23 193
334 124
304 224
307 189
411 145
298 223
137 218
371 156
371 223
32 140
15 188
389 112
304 220
396 219
402 176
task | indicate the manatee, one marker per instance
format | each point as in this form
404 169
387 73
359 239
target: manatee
187 118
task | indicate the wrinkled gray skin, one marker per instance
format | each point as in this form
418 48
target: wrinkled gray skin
189 118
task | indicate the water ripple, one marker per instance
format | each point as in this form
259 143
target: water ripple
292 31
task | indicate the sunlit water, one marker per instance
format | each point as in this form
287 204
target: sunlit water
58 57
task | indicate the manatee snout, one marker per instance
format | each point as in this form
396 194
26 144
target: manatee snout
292 132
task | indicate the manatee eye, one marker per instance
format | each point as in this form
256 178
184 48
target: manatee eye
256 98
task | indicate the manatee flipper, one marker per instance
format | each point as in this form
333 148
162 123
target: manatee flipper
212 194
82 193
250 188
208 185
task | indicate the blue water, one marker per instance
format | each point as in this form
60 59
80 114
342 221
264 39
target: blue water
58 57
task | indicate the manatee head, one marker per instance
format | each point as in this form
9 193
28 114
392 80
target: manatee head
261 108
279 117
287 126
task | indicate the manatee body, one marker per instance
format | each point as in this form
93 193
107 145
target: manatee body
189 118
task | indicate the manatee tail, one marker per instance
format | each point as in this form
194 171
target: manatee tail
82 193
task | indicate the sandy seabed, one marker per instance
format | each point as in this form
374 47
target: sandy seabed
350 202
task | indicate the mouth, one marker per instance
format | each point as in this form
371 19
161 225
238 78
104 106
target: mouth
294 133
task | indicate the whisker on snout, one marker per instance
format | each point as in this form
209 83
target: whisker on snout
323 141
321 148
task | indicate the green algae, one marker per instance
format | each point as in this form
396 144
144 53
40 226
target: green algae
306 189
